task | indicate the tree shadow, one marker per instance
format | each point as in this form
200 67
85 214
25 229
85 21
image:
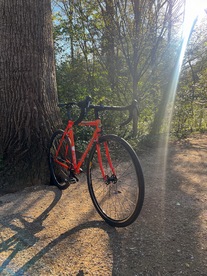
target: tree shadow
115 244
170 232
25 235
184 189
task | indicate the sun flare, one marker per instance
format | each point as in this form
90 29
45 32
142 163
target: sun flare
196 6
194 9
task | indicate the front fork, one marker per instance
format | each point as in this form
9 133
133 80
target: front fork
107 179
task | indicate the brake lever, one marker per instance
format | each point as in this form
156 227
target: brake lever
132 107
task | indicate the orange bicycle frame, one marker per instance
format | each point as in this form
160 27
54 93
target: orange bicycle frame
96 134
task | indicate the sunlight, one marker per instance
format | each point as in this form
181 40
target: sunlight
194 10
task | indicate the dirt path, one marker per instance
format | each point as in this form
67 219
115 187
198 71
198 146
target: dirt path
45 231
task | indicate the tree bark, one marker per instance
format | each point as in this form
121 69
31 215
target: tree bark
28 97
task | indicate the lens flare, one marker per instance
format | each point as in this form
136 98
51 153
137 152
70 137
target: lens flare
194 9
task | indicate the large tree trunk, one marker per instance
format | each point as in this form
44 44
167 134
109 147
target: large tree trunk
28 98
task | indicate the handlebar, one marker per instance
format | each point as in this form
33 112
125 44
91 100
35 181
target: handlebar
86 105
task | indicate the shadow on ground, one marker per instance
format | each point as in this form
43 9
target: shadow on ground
47 232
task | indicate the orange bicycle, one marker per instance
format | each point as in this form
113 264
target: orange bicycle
114 174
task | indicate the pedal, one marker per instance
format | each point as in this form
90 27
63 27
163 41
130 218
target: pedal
73 179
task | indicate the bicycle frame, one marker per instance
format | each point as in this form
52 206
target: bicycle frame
76 166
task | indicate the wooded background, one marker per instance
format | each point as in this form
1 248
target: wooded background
119 50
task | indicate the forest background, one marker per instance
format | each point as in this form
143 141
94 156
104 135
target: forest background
119 50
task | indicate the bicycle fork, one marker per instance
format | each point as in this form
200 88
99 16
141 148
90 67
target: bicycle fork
107 179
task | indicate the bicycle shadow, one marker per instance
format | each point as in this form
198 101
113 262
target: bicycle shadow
25 237
25 234
114 242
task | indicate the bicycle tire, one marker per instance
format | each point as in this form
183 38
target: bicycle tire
59 176
120 203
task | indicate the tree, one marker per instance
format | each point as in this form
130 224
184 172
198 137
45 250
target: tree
190 105
123 36
175 13
28 98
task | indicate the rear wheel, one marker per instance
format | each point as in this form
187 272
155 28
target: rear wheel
118 197
60 173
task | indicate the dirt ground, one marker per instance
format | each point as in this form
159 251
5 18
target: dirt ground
45 231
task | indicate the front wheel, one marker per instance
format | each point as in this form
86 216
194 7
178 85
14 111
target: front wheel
118 193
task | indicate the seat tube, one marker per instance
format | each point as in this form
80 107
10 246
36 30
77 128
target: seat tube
71 136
